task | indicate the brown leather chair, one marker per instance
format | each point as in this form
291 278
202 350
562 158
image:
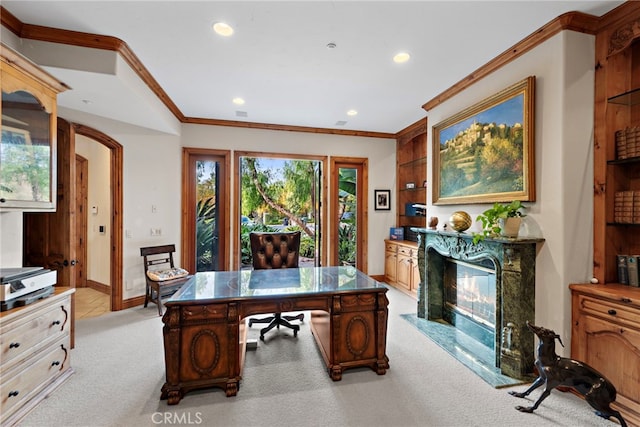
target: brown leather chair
275 250
162 276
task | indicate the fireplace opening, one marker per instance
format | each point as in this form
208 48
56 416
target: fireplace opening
470 299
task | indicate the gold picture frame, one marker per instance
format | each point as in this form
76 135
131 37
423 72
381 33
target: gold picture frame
486 153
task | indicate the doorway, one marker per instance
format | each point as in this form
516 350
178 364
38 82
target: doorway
93 232
205 204
108 214
348 227
280 192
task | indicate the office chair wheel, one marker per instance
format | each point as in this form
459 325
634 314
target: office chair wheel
261 337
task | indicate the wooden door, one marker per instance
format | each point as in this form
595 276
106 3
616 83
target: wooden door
82 174
49 238
349 212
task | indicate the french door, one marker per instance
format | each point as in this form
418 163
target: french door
348 225
280 192
205 219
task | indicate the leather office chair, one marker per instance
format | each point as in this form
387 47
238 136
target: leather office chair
275 250
162 276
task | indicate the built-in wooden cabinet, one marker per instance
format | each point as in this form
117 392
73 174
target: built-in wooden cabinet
412 184
28 144
401 265
35 352
617 141
606 316
606 335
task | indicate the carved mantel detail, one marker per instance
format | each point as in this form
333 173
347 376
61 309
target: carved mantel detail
514 262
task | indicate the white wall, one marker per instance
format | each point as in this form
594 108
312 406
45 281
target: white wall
563 211
10 239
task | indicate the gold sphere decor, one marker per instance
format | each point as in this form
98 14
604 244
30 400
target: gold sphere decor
460 221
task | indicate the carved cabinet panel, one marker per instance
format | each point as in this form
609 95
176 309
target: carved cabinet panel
606 336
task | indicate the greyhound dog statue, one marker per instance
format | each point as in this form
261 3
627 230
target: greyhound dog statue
557 371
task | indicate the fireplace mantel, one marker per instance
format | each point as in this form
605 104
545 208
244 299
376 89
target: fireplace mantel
515 265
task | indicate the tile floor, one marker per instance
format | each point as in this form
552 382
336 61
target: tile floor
91 303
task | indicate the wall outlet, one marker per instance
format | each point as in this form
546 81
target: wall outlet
156 232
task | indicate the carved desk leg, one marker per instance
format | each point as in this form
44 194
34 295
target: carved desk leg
381 341
171 389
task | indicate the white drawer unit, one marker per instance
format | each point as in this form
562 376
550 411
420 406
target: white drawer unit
34 353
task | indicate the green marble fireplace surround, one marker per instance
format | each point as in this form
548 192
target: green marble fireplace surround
515 268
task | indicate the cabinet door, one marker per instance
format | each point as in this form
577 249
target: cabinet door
390 266
614 351
404 271
27 147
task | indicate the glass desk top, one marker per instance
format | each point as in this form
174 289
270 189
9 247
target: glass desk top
269 283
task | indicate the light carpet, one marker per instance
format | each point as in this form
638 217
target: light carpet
119 364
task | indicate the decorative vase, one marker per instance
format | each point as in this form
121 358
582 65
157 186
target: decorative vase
460 221
510 226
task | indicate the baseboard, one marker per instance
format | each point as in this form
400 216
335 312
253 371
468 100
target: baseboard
100 287
133 302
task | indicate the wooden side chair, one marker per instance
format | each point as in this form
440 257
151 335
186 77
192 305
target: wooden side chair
275 250
162 276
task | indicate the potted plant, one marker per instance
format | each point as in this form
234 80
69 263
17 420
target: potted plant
500 220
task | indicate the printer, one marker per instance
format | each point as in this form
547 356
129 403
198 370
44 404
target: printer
24 285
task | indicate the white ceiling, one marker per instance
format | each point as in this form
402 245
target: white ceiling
278 59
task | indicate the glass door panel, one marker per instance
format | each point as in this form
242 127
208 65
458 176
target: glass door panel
207 216
280 193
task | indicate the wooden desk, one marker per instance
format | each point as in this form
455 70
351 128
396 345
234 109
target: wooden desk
205 335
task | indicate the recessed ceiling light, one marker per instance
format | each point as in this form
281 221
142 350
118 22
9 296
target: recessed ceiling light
352 113
238 101
222 29
401 57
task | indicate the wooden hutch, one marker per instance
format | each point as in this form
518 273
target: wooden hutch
401 256
606 316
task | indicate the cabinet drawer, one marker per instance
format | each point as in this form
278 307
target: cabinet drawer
613 312
404 250
23 339
26 380
390 247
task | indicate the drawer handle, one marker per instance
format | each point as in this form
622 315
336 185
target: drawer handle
55 322
56 363
612 312
14 393
14 345
627 300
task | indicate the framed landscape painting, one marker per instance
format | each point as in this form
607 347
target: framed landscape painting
485 154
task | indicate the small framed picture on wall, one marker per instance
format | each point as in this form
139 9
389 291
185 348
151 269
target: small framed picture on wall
382 200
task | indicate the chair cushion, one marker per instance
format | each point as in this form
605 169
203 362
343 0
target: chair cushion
168 274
